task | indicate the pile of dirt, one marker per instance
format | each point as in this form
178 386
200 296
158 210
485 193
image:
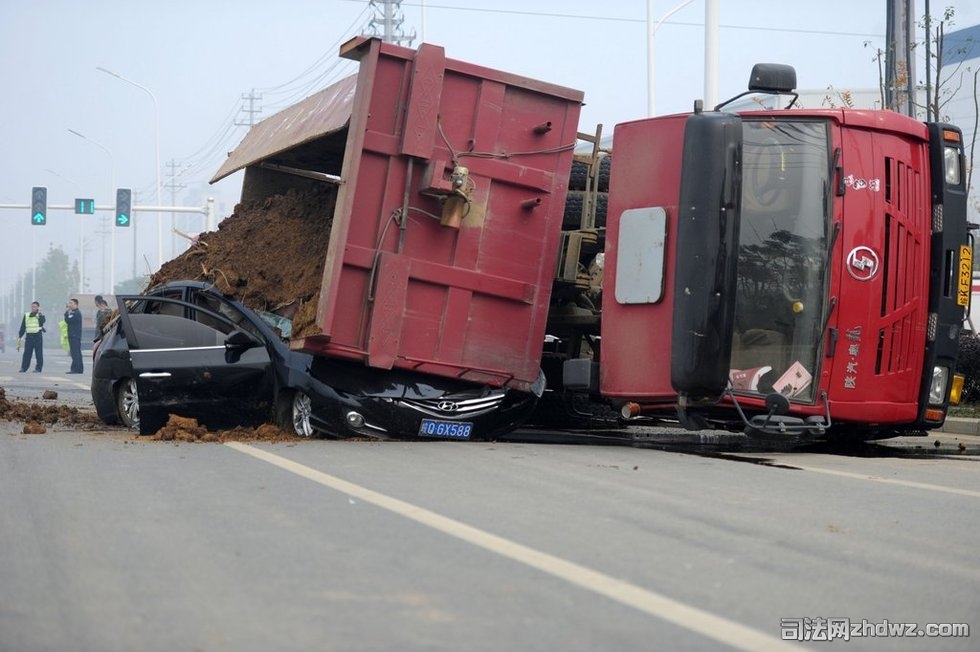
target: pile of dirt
185 429
268 254
37 417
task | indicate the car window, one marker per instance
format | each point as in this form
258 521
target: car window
224 309
151 307
162 331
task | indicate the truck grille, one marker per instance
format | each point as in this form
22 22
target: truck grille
903 288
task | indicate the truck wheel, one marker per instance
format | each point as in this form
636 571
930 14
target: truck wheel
293 412
605 167
574 201
578 178
128 403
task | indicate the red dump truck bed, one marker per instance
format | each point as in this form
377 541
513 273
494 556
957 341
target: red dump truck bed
452 182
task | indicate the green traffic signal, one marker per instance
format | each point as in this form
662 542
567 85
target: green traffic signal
124 206
39 206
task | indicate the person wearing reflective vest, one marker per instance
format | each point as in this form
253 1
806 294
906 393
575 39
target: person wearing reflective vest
32 330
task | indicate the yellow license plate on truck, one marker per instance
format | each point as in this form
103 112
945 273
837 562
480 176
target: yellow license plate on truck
966 276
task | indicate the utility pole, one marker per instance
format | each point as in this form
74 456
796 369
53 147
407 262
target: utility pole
173 187
249 109
928 29
899 62
388 17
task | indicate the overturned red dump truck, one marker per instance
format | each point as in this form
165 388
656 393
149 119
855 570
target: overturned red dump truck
778 271
771 270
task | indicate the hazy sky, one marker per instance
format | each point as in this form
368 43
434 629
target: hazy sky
198 58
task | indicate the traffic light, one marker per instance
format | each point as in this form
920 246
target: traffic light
124 206
39 206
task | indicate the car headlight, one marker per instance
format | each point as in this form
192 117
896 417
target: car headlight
937 390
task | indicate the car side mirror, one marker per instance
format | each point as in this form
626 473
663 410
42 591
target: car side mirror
237 343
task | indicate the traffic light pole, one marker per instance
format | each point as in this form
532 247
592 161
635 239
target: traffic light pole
207 211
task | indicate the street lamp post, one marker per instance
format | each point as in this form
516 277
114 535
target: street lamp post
652 27
112 185
156 131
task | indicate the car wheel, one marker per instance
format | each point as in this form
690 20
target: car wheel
294 411
128 403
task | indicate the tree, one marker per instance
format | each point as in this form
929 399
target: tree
57 280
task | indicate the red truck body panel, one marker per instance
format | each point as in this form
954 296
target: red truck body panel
636 337
400 289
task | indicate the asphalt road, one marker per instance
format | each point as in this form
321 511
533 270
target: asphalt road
73 389
113 542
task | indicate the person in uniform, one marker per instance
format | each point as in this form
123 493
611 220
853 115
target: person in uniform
73 317
32 331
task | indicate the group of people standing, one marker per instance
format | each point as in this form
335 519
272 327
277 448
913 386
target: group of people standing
32 329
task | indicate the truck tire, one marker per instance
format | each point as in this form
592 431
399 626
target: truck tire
572 218
578 178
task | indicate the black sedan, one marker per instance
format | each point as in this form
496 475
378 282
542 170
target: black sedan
185 348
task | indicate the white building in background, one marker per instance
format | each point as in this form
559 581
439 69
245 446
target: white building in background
960 80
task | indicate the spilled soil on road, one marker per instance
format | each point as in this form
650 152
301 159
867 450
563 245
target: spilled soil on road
189 430
38 418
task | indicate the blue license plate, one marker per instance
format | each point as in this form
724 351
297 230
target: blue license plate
445 429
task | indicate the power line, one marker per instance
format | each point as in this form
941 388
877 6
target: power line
548 14
315 76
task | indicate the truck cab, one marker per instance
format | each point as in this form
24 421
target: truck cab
785 271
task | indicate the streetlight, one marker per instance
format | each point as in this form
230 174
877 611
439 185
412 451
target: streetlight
156 129
112 185
652 28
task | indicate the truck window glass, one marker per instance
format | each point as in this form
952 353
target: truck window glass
782 257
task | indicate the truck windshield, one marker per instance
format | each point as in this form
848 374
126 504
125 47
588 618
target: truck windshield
782 254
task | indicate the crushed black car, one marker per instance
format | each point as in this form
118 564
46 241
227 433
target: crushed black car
186 349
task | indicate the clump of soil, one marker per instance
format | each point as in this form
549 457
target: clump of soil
32 413
186 429
268 254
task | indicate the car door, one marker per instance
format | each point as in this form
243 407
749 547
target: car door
194 362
